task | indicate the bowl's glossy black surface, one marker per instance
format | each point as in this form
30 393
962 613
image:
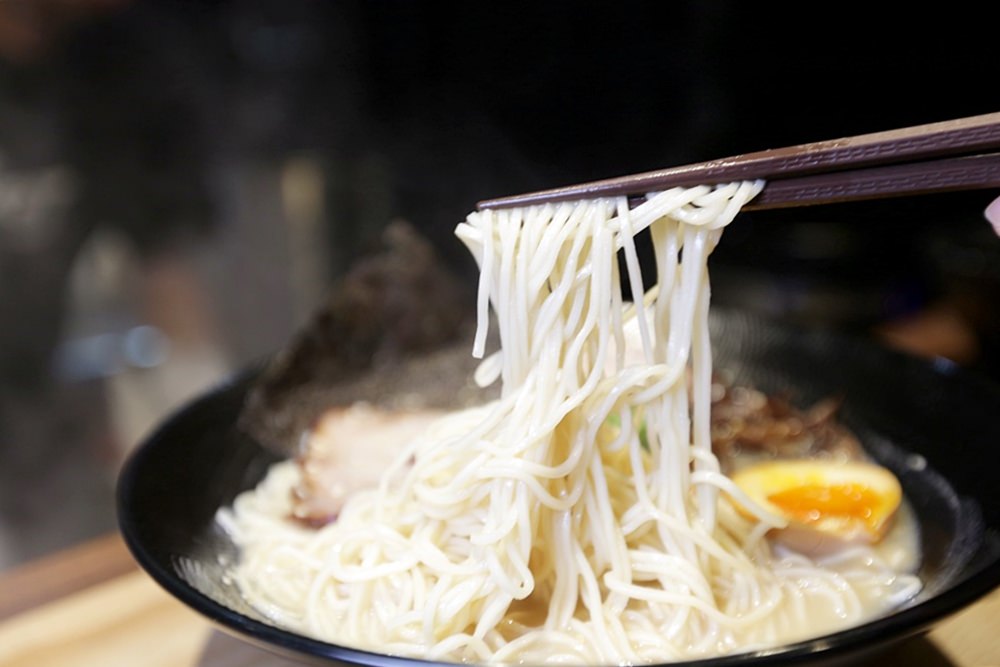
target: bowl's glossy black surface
934 425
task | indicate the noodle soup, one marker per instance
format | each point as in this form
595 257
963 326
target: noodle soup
583 515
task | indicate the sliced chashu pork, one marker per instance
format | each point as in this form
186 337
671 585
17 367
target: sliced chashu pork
348 450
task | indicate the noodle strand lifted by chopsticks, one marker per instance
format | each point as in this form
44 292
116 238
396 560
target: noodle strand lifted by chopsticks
580 517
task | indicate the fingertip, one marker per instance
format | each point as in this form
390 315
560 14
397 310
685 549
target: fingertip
993 214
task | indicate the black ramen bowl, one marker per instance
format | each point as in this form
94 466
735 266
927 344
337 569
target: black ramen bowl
936 426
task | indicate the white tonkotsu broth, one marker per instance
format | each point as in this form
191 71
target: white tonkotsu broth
540 527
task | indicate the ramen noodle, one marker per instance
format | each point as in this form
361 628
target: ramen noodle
581 516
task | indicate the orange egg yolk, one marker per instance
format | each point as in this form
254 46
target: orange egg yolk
812 502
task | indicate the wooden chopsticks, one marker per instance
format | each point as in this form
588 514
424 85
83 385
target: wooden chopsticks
938 157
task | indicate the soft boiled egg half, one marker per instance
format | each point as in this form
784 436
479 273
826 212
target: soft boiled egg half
827 504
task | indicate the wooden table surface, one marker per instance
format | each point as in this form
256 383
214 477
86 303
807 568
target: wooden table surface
91 606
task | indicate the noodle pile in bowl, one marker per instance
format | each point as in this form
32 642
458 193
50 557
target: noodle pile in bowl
581 517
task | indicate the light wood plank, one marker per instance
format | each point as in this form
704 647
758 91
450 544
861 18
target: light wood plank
972 636
122 623
63 573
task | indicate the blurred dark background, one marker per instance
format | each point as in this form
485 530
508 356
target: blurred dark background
182 181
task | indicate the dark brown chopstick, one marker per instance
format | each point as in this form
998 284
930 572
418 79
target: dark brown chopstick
854 168
952 174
